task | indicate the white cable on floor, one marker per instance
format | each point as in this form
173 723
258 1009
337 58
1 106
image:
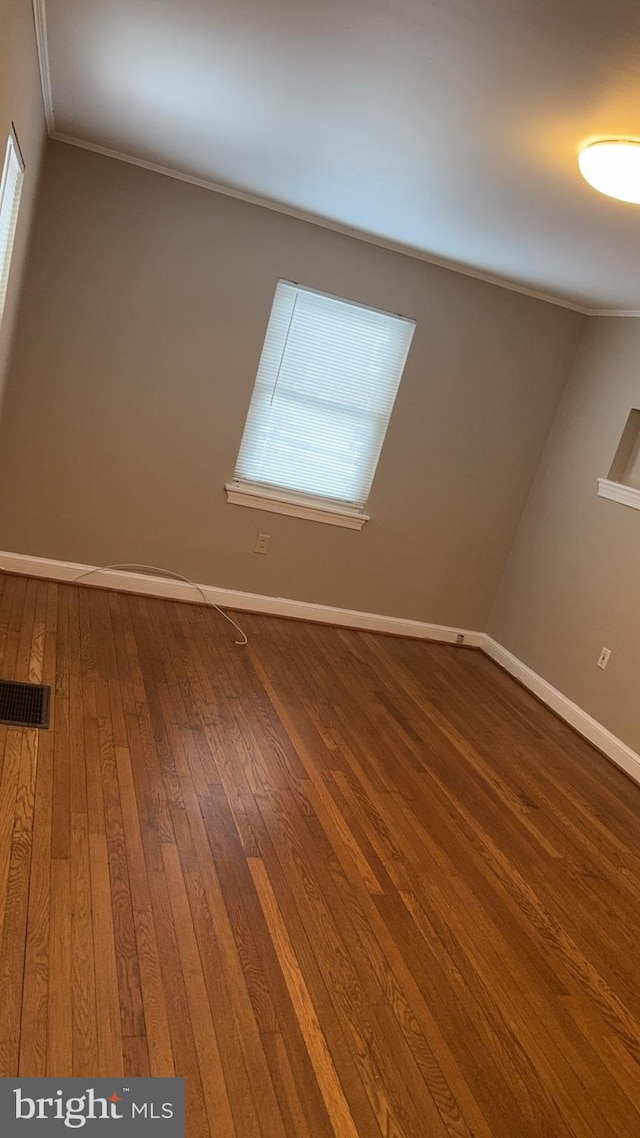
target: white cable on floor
176 576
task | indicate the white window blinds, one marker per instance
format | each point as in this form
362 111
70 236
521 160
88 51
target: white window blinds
10 189
325 389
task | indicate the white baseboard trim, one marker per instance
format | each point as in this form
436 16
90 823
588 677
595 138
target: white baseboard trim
580 720
150 585
154 586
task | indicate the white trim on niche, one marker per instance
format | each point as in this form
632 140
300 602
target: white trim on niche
296 506
618 492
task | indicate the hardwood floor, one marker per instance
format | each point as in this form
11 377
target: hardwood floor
347 885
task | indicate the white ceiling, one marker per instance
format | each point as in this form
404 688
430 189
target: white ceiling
449 126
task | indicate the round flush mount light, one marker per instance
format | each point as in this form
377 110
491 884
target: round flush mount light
612 166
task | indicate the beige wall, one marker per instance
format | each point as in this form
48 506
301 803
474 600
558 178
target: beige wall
571 586
145 309
20 103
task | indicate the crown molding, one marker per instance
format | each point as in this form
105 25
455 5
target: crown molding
323 222
42 44
628 313
40 17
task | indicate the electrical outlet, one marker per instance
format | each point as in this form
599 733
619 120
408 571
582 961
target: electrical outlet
262 543
603 658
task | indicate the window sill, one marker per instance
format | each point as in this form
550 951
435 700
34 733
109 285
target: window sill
618 492
279 502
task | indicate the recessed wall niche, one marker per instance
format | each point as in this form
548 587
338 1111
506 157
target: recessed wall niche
623 481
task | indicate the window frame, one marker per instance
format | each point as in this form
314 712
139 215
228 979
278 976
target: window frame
12 147
298 503
260 496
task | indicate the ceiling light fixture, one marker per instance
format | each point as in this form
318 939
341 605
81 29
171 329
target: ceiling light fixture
612 166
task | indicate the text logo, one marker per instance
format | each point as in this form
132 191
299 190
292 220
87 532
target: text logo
117 1108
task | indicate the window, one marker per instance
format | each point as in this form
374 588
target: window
10 189
324 392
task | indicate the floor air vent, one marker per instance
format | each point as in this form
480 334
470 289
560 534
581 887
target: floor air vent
24 705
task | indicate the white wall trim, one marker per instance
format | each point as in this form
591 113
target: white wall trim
39 9
131 582
150 585
279 502
580 720
618 492
42 44
327 223
630 313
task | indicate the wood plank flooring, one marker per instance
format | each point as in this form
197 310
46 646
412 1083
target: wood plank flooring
347 885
